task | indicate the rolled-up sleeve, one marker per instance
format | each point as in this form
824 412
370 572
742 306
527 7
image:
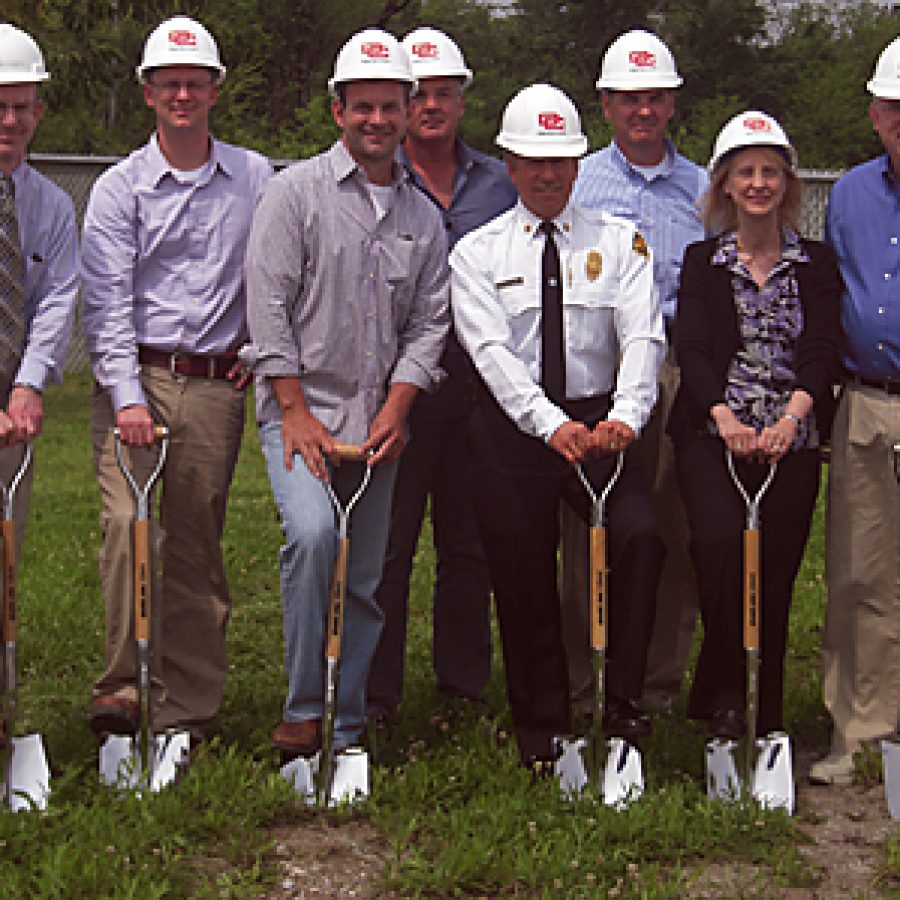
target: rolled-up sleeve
274 279
422 337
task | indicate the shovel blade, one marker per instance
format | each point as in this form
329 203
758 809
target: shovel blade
349 785
172 754
890 756
773 776
723 780
623 774
569 767
120 760
28 779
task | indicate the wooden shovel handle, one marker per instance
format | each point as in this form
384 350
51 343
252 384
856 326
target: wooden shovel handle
598 587
142 579
337 601
10 612
751 590
349 453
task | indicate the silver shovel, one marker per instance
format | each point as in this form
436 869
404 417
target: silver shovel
330 778
27 774
144 759
614 765
768 769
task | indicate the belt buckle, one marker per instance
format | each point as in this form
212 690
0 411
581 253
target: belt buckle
173 363
211 367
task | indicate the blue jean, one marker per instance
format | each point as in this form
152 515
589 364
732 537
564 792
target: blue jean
309 525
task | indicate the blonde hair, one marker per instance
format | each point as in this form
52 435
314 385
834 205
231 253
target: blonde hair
718 211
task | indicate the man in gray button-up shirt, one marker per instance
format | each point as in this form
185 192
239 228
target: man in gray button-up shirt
347 288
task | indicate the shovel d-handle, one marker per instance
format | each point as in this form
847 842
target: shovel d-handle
350 453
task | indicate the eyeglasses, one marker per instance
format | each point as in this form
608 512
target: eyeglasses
18 110
173 88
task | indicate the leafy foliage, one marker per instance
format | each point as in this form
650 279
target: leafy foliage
803 63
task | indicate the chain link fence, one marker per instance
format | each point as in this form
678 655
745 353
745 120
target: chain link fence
76 175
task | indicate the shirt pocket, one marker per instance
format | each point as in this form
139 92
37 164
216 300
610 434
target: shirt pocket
590 299
521 302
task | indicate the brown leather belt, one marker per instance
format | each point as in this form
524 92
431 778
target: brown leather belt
891 386
200 366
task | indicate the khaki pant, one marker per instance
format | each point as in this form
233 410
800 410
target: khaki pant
190 600
676 607
861 648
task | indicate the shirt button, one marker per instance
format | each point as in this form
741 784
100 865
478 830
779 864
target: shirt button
893 240
880 346
880 310
887 276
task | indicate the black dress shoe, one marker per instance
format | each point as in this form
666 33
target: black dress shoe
625 719
726 725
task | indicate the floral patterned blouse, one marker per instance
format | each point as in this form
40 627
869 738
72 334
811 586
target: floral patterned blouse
762 375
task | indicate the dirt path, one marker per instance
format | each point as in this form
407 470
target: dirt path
846 827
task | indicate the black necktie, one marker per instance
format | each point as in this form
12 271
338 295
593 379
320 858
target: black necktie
553 367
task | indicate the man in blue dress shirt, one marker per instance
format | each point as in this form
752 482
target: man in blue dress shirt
861 654
641 177
469 189
38 267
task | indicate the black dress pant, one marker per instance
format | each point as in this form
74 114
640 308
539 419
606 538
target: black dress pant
717 515
519 482
436 464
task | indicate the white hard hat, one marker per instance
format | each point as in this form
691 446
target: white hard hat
180 41
541 121
885 83
638 61
21 60
434 55
372 54
751 129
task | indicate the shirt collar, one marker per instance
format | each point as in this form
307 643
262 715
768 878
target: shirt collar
667 164
344 166
160 167
19 174
530 223
726 252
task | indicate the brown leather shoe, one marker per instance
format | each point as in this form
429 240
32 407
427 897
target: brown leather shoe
300 738
114 715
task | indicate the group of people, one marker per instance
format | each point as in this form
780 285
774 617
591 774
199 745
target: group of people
480 330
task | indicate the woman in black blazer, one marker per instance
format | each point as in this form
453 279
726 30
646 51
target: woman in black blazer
756 339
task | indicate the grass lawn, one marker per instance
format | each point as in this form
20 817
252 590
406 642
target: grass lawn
452 806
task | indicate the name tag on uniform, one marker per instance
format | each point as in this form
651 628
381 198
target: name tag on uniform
516 281
593 265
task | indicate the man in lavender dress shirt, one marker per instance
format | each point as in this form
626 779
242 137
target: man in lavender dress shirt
164 239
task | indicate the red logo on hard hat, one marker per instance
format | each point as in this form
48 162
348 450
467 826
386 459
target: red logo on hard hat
642 58
183 38
757 123
375 50
425 50
552 121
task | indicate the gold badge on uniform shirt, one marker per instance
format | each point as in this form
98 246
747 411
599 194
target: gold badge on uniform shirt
593 266
639 245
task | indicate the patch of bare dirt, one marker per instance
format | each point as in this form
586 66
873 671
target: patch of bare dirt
319 859
846 827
